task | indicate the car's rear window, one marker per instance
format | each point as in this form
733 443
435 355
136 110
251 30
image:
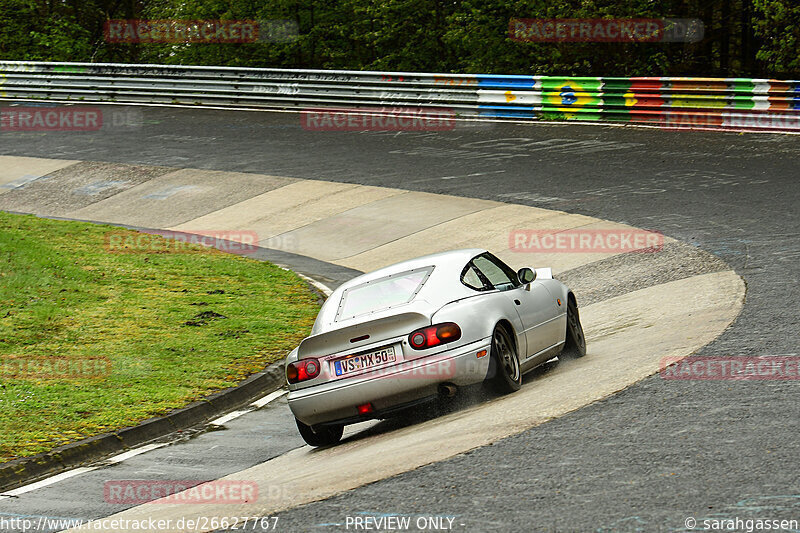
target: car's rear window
382 293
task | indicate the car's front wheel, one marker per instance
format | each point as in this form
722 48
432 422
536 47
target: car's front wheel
575 343
505 374
320 436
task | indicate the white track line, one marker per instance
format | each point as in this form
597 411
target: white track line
258 404
261 402
49 481
321 286
227 418
132 453
78 471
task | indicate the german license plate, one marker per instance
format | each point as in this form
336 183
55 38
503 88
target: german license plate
356 363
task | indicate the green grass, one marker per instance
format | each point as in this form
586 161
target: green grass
64 295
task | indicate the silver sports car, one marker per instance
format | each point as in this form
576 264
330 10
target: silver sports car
409 332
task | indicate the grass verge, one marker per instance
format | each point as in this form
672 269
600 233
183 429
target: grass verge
92 341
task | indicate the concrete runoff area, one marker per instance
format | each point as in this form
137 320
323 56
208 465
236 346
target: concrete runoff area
288 208
76 186
491 227
629 337
630 328
373 224
359 227
178 196
18 171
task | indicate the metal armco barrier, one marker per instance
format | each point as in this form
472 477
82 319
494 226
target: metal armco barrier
733 103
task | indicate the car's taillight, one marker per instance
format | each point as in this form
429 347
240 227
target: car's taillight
434 335
302 370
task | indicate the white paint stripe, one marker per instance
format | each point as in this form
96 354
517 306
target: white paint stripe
268 398
78 471
321 286
49 481
261 402
133 453
221 421
468 175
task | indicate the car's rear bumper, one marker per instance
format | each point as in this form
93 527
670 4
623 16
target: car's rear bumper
389 388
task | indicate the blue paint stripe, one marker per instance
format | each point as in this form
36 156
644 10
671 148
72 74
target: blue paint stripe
505 108
509 113
498 81
795 88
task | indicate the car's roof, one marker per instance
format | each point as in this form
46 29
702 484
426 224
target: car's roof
443 286
450 260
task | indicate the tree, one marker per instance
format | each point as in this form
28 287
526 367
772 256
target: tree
742 37
777 23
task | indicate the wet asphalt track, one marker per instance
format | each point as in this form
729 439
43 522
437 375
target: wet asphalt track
644 459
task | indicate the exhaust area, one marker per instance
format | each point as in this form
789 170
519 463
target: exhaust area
447 390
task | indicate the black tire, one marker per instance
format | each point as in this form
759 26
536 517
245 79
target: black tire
575 344
505 374
320 436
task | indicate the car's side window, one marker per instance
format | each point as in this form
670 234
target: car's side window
504 267
472 279
499 277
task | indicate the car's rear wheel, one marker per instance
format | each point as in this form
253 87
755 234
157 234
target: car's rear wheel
505 374
575 345
320 436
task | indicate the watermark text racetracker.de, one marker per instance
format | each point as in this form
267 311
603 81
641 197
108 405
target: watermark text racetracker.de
29 524
174 31
50 117
183 492
238 242
761 119
579 240
728 368
622 30
378 119
54 368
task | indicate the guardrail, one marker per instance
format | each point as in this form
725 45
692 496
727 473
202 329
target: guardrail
731 103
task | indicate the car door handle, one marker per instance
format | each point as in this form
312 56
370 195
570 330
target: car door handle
517 302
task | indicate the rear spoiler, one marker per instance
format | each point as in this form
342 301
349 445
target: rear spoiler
339 340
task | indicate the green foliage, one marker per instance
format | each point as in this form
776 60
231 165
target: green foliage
47 30
778 25
60 39
16 21
165 326
742 37
478 32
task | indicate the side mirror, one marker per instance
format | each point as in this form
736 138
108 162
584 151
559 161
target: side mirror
526 275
